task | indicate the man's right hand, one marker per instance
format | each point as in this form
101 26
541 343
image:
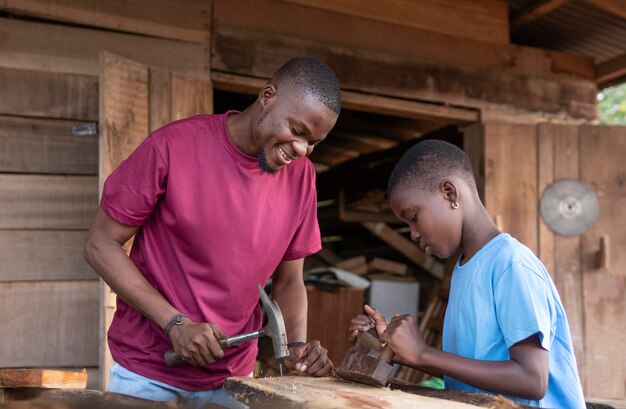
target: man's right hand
363 323
197 343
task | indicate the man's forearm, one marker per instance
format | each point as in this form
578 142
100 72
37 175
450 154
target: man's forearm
292 300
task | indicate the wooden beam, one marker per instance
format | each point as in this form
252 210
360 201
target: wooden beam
406 248
615 7
485 20
611 72
358 101
186 21
534 11
29 45
407 77
334 31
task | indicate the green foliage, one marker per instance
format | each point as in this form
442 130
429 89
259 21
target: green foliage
612 104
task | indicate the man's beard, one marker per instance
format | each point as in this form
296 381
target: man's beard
265 167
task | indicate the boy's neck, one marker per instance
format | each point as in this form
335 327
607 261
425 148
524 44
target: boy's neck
477 233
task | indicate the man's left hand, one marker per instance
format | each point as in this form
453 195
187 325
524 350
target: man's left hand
310 359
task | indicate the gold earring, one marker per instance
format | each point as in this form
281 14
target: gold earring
455 205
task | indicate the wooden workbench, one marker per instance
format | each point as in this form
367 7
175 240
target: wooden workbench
331 393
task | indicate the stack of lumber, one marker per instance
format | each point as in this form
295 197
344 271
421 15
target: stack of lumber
380 266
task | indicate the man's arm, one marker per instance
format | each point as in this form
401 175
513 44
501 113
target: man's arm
289 291
195 343
525 375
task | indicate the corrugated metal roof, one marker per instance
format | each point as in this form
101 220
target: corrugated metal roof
576 27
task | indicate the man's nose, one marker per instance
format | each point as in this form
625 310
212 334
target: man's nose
300 148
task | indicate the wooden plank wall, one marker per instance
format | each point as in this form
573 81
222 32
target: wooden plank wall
520 162
49 76
250 38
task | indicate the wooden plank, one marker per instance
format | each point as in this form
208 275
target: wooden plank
47 202
190 96
45 146
388 266
474 147
602 168
124 106
187 21
160 98
124 123
568 271
611 72
43 378
50 95
359 101
545 177
353 33
511 179
52 324
405 247
533 12
328 393
37 46
615 7
40 255
476 19
329 315
331 155
409 77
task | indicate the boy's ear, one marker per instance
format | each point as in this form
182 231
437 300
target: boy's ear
449 190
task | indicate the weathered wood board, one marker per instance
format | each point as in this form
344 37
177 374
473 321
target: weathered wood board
43 378
327 393
31 255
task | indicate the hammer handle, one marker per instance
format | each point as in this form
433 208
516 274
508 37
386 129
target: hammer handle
172 359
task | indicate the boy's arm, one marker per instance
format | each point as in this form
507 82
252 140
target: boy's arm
525 375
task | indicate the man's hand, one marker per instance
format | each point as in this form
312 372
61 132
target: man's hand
363 323
405 340
310 358
197 343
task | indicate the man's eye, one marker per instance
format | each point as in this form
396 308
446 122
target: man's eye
296 132
413 219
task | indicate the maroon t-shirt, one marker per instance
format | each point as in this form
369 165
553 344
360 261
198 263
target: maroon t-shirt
213 226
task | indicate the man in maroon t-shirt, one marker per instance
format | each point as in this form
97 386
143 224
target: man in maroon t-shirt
217 204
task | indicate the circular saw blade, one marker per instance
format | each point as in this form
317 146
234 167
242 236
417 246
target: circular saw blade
569 207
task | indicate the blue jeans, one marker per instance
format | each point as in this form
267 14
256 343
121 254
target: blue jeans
129 383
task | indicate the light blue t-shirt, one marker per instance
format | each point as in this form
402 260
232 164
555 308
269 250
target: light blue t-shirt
500 297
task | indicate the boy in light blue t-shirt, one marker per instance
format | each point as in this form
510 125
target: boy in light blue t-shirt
505 329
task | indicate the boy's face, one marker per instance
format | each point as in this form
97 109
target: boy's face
434 224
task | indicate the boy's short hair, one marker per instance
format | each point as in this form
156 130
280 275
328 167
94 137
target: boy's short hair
308 76
427 163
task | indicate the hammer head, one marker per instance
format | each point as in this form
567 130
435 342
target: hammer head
275 327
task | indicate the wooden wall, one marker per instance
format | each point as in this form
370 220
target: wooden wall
515 164
49 77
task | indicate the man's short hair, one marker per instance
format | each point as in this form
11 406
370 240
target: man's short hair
427 164
308 76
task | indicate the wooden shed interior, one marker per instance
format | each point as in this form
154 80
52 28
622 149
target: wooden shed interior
513 83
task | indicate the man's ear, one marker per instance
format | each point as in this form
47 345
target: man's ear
450 191
266 95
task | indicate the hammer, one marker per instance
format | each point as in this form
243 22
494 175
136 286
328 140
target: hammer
275 329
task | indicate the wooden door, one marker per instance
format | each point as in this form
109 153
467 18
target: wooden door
136 99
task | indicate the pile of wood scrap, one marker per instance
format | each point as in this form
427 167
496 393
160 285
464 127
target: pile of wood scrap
359 265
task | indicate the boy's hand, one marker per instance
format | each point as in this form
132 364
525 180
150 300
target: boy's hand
363 323
405 340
